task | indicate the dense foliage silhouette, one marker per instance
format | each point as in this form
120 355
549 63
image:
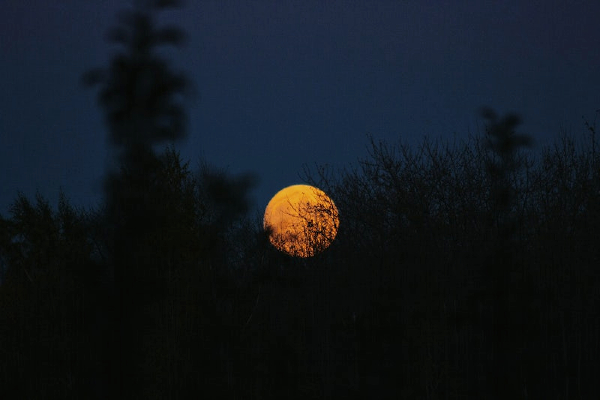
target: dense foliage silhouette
405 301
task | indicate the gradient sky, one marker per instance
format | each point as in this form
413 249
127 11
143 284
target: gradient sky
282 84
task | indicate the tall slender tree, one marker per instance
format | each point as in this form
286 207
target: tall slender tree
142 101
504 144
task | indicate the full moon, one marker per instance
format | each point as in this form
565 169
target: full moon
301 220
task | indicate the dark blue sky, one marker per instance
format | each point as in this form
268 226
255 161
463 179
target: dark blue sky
284 84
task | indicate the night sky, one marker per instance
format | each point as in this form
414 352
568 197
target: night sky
282 84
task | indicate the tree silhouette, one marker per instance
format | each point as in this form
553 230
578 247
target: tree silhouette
462 267
459 270
507 274
47 318
141 98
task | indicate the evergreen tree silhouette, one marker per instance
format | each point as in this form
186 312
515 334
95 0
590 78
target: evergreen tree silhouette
507 301
142 101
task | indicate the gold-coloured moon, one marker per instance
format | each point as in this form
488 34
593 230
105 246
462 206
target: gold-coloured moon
301 220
